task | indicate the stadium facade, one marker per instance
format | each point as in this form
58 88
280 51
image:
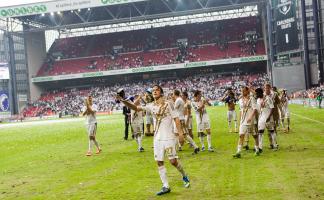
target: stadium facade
25 33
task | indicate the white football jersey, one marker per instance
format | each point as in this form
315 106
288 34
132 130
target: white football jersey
284 103
264 107
91 118
195 106
179 107
247 106
165 114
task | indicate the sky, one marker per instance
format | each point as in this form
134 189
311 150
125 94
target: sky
5 3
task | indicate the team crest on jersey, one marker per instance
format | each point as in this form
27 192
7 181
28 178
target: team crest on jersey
284 6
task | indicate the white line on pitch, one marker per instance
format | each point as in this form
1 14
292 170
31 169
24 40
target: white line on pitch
308 118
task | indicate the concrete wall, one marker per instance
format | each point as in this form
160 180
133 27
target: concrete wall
290 77
36 54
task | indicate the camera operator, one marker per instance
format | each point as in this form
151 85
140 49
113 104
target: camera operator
126 113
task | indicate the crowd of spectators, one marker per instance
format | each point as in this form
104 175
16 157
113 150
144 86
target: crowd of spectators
71 101
310 93
312 97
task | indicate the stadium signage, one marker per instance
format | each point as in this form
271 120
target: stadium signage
42 79
253 59
4 104
23 10
55 6
92 74
149 69
113 1
196 64
284 6
285 25
142 69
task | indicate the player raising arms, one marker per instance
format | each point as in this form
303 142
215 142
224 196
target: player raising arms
179 108
202 119
248 110
89 110
230 100
149 120
164 139
137 123
284 99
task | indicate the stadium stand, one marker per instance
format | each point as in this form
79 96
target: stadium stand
158 46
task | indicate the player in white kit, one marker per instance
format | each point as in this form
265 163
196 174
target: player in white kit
89 110
179 107
265 108
164 138
202 119
137 123
187 113
285 114
248 109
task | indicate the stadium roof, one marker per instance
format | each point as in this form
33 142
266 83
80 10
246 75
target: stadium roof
71 14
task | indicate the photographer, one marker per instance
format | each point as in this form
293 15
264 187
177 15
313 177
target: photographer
126 113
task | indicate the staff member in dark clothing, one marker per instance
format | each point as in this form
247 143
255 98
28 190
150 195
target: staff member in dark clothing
126 113
126 110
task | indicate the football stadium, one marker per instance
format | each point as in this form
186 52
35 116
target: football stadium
161 99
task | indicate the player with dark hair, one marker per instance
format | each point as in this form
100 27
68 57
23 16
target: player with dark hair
202 119
187 113
179 108
248 110
230 100
89 110
285 114
265 109
165 140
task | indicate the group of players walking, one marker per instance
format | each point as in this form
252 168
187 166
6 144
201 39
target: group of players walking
172 122
260 109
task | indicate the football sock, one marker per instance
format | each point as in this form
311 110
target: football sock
163 176
190 140
201 138
139 141
180 169
256 148
209 140
260 140
274 138
239 148
283 123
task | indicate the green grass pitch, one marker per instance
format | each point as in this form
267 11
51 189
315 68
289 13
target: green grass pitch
47 161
